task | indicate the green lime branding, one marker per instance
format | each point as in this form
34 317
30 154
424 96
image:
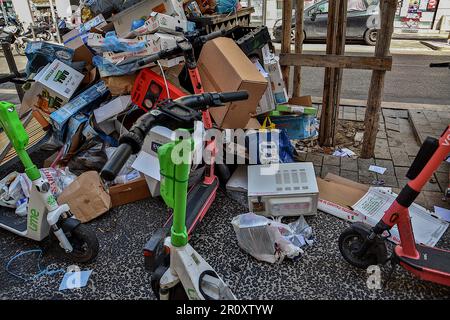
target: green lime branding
61 76
34 220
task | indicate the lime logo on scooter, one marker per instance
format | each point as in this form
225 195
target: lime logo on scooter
34 220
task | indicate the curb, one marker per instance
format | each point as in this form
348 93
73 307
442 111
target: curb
389 105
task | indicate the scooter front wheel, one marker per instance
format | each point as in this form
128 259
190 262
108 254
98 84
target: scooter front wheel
85 244
350 241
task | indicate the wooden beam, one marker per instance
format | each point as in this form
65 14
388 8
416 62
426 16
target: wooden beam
286 37
299 10
341 29
326 119
384 34
336 61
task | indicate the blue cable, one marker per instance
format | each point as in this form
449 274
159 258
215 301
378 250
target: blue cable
42 272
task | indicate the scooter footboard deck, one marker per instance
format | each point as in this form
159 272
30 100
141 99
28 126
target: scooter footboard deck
10 219
198 202
430 258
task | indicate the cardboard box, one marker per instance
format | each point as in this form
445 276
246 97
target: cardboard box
267 102
96 22
87 99
129 192
162 41
147 159
120 85
76 40
53 86
86 197
96 41
124 19
224 67
112 108
356 202
276 80
159 22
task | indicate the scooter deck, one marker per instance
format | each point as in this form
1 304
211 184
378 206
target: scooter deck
430 259
13 221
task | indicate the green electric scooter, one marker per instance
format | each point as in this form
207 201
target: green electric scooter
187 269
44 215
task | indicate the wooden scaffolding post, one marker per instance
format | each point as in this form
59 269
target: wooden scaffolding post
384 34
286 37
299 9
336 29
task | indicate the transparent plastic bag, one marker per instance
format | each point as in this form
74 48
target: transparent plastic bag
112 43
107 68
15 187
269 240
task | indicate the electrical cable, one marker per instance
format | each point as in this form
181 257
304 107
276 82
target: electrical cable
41 272
164 77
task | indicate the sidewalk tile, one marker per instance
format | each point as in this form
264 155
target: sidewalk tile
331 160
329 169
349 164
352 175
316 159
388 164
399 157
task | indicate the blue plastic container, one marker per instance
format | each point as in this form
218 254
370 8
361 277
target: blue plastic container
297 126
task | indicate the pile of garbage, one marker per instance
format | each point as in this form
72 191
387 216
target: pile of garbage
126 57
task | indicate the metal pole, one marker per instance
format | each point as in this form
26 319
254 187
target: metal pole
4 12
12 66
55 22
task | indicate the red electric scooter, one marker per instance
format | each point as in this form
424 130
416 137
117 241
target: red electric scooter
363 246
201 195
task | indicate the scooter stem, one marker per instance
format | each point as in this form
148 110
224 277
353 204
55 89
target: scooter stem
13 127
174 159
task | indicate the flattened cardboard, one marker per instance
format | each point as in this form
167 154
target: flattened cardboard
224 67
86 197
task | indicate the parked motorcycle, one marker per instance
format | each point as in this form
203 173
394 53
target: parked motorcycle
42 33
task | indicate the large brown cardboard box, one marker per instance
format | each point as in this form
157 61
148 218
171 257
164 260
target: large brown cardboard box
129 192
224 67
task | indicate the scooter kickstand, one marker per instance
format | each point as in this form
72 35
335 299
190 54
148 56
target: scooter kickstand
394 263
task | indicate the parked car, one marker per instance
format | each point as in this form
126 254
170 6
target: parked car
362 16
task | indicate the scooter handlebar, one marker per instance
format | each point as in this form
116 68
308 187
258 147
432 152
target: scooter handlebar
211 99
116 162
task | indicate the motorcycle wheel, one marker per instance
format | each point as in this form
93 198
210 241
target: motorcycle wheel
20 48
46 36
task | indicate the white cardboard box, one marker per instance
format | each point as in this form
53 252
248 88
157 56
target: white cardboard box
158 22
356 202
276 80
53 87
123 20
267 102
147 159
112 108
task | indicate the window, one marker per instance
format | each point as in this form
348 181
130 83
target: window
356 5
322 8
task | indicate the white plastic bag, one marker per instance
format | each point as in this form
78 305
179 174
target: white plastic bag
15 187
269 240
